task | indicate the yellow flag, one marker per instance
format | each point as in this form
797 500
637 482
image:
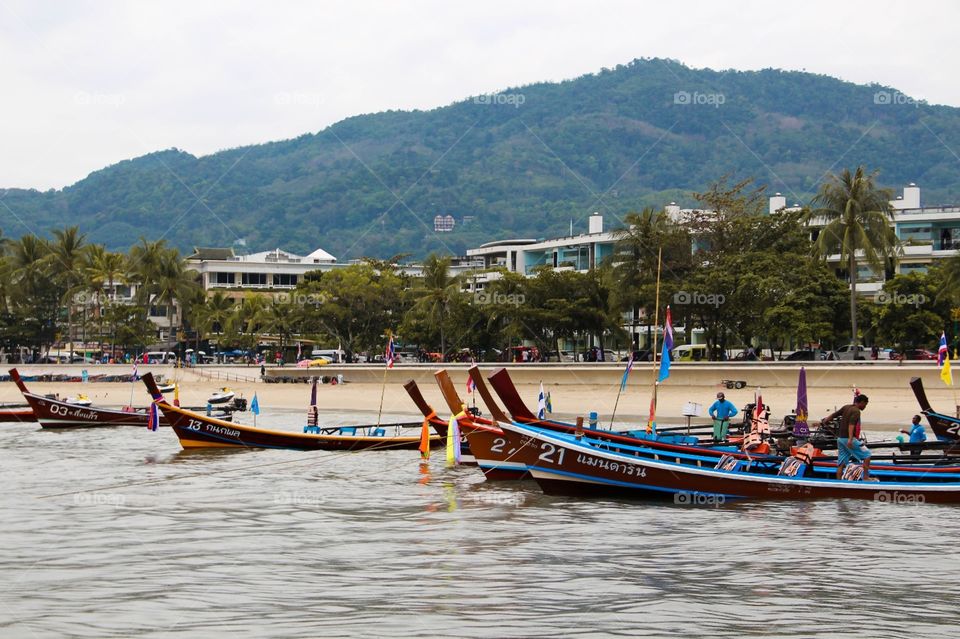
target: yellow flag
945 373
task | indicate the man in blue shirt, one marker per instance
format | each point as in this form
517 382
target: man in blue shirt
916 433
721 411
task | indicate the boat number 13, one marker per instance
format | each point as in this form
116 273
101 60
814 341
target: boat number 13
550 454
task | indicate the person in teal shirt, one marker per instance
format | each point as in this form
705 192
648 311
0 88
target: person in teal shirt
917 434
721 411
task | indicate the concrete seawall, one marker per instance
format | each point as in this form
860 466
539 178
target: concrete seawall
874 376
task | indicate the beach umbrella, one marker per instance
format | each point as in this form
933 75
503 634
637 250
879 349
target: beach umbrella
800 427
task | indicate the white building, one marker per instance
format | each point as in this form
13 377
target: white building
221 268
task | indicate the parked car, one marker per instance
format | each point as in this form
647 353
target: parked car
643 355
919 354
690 353
804 355
852 352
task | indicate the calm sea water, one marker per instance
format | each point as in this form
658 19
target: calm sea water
120 533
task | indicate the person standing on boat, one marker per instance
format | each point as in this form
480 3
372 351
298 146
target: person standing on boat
849 445
721 411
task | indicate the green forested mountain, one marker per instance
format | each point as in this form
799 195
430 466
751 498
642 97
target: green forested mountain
521 163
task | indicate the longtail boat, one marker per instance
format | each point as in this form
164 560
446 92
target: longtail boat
17 413
946 428
583 466
947 461
57 413
196 430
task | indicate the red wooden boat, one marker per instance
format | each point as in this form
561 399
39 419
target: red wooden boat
199 431
55 413
17 413
946 428
568 465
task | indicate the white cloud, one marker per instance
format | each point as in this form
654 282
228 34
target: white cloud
87 85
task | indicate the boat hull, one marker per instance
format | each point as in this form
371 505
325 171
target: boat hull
565 466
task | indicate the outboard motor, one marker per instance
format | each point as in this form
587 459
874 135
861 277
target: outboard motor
239 403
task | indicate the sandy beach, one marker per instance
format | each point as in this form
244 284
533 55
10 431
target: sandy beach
575 390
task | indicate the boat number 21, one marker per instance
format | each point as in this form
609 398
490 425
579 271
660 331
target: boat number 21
550 454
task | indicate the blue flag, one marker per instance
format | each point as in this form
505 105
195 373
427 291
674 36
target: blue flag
153 417
255 405
667 347
626 373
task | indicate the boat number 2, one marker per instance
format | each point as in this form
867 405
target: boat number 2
498 445
550 454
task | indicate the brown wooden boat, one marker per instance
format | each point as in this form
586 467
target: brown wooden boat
568 465
17 414
199 431
945 462
56 413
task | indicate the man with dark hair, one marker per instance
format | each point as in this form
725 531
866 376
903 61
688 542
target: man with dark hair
849 445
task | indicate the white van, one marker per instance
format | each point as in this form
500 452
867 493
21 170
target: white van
689 353
160 357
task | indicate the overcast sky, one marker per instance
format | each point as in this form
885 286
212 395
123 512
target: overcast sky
87 84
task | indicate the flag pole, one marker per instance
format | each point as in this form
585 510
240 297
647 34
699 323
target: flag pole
656 326
383 384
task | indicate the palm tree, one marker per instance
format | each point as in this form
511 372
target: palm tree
101 270
440 288
31 285
857 215
66 257
172 284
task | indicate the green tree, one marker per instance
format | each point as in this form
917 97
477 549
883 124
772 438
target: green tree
434 295
856 216
66 266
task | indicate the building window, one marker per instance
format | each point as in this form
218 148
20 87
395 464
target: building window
254 279
158 311
906 269
224 278
284 279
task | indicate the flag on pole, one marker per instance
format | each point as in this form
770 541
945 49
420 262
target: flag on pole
391 354
453 440
255 405
549 403
541 404
133 376
652 420
667 347
425 437
299 352
945 373
153 419
942 353
470 385
800 426
626 373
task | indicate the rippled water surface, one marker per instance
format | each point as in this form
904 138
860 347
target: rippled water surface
120 533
